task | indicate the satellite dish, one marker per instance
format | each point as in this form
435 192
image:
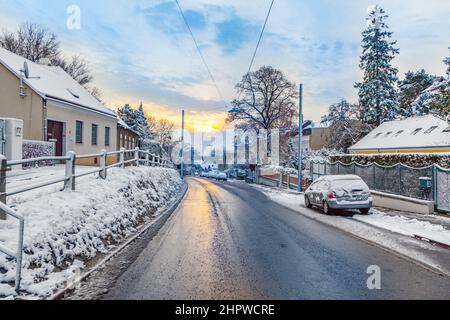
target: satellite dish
26 70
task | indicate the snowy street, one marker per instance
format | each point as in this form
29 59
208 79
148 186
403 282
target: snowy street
232 241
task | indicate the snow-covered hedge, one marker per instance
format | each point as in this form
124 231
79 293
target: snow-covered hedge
37 149
64 229
412 160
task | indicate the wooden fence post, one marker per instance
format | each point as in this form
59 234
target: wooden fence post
137 156
122 158
70 171
103 164
147 158
3 169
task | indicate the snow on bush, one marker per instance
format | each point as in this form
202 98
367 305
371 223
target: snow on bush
37 149
412 160
63 229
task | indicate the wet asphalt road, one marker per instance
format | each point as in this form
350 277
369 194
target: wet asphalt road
229 241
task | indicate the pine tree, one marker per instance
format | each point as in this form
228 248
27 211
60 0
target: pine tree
142 123
136 120
377 92
447 62
410 89
436 98
126 113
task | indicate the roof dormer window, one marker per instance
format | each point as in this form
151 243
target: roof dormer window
378 134
416 131
399 133
73 94
447 130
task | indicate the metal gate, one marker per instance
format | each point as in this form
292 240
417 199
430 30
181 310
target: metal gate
442 189
2 136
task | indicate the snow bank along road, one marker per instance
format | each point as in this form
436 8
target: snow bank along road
64 231
229 241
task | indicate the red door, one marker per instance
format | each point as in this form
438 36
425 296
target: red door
55 133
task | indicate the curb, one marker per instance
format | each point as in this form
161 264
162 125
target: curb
61 293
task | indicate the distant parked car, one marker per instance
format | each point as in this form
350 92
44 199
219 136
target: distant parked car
339 193
221 176
204 174
212 174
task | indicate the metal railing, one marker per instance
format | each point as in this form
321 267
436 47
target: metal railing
18 254
135 157
126 157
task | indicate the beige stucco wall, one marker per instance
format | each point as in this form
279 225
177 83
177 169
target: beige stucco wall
28 109
69 116
320 138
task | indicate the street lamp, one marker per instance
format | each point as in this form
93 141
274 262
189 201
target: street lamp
300 141
182 145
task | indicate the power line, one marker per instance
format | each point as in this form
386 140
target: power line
259 42
261 36
200 53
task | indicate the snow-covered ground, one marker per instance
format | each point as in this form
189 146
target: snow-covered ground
401 229
65 229
407 226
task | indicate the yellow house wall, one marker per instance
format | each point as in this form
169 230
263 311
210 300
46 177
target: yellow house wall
29 109
69 116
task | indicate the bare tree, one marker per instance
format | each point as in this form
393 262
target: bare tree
77 68
164 133
267 100
32 42
152 124
37 43
96 93
347 127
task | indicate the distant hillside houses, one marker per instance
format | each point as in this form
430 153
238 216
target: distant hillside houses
421 134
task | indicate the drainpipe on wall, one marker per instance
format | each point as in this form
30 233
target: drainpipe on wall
45 124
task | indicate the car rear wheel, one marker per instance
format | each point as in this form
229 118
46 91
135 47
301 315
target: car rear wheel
365 211
326 208
308 202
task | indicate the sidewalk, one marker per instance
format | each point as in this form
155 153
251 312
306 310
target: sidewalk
440 219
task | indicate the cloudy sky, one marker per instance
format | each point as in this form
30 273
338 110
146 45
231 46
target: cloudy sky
141 50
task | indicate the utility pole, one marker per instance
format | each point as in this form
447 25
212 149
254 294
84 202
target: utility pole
300 140
182 145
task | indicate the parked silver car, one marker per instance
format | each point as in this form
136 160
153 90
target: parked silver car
339 193
221 176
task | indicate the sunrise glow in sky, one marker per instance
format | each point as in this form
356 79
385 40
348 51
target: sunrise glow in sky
141 50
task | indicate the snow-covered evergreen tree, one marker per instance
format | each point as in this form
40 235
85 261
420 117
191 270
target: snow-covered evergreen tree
410 89
136 120
127 114
447 62
437 97
377 92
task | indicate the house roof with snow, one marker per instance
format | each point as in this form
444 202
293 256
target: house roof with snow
53 83
413 135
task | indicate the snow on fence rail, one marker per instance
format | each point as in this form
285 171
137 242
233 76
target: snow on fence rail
398 179
69 180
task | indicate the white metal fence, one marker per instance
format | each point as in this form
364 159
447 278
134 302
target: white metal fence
125 158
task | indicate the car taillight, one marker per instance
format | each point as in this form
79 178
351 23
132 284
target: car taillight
332 195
